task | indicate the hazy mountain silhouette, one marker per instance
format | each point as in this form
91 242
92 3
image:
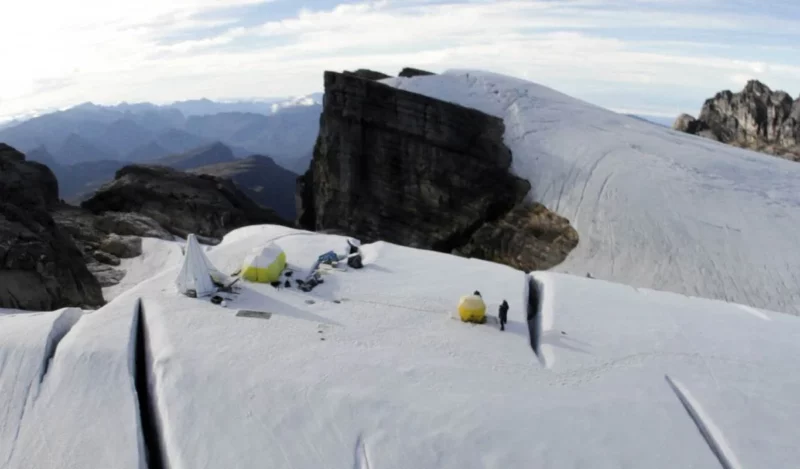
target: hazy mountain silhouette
142 132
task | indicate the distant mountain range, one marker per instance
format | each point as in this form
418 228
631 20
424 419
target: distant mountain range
283 129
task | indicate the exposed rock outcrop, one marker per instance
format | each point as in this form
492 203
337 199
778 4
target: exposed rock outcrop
123 247
131 224
410 72
96 236
368 74
405 168
756 118
530 237
40 266
182 203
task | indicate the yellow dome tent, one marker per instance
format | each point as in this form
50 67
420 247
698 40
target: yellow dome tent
471 308
264 265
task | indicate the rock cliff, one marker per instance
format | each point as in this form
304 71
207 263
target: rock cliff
405 168
756 118
40 266
182 203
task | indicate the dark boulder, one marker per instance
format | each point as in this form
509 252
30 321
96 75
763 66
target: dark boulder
182 203
106 258
686 123
106 275
40 266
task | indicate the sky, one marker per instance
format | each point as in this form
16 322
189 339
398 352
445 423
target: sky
647 57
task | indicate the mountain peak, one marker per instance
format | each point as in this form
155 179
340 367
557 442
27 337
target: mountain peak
756 87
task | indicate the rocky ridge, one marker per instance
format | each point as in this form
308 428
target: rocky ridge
182 203
756 118
405 168
262 179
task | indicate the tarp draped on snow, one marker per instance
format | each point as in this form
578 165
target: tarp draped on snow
197 274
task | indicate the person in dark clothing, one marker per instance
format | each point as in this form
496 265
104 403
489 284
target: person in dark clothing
477 293
503 314
354 261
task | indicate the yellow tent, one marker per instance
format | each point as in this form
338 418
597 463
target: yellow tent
471 308
264 265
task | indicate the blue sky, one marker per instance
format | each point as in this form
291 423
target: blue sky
655 57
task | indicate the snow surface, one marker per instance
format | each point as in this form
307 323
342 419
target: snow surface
66 390
157 255
653 207
396 383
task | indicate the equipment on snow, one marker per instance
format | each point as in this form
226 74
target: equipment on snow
264 265
471 308
247 313
197 274
354 257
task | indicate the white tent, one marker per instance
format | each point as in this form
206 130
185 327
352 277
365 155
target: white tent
197 273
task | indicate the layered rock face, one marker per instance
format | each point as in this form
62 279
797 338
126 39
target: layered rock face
405 168
756 118
180 202
40 266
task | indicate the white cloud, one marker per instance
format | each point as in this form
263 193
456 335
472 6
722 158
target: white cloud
112 50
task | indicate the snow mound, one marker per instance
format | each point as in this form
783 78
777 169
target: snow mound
654 208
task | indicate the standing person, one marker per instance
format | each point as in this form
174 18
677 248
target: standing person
503 315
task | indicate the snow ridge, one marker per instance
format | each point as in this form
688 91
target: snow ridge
711 433
361 458
61 327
